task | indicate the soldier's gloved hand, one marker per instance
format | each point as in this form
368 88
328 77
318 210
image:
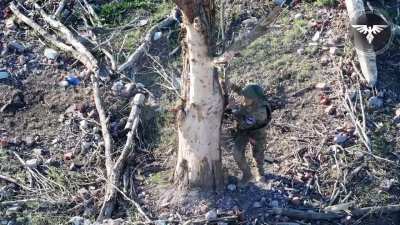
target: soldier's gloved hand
228 111
232 130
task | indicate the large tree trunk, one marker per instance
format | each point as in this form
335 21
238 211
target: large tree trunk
199 119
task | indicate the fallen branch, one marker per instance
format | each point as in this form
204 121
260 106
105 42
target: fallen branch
95 20
246 39
312 215
12 180
36 200
46 35
115 172
226 219
138 53
60 8
90 61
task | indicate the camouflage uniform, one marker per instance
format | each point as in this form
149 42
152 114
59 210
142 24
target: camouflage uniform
250 127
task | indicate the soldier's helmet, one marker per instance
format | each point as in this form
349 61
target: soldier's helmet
253 91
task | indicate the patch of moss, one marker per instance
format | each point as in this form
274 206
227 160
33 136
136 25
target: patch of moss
44 219
114 10
326 2
160 178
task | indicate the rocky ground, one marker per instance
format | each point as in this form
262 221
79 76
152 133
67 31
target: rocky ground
316 157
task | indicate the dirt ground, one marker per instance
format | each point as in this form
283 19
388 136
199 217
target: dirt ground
307 167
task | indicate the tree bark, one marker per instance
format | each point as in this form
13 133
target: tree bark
201 109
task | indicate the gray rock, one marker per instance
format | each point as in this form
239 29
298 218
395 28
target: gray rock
21 60
298 16
231 187
77 220
83 125
128 89
157 36
160 222
54 141
4 75
96 130
324 60
139 85
112 222
212 214
10 23
375 102
330 110
141 23
85 145
38 152
117 87
321 86
18 47
13 210
396 119
333 50
51 53
387 184
257 205
63 83
274 204
29 141
74 167
340 138
300 51
32 163
250 22
316 36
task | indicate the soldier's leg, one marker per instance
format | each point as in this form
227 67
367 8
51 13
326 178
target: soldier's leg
258 149
239 154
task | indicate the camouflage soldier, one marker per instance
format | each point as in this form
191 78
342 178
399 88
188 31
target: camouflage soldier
251 118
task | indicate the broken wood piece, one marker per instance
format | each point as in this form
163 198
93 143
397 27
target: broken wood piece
12 180
136 102
302 214
60 8
92 13
312 215
117 169
339 207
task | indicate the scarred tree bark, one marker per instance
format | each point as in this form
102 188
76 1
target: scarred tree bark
201 109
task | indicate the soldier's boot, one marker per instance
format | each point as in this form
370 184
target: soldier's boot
243 165
239 154
258 154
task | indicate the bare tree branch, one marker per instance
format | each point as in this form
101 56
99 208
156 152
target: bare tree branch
139 52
